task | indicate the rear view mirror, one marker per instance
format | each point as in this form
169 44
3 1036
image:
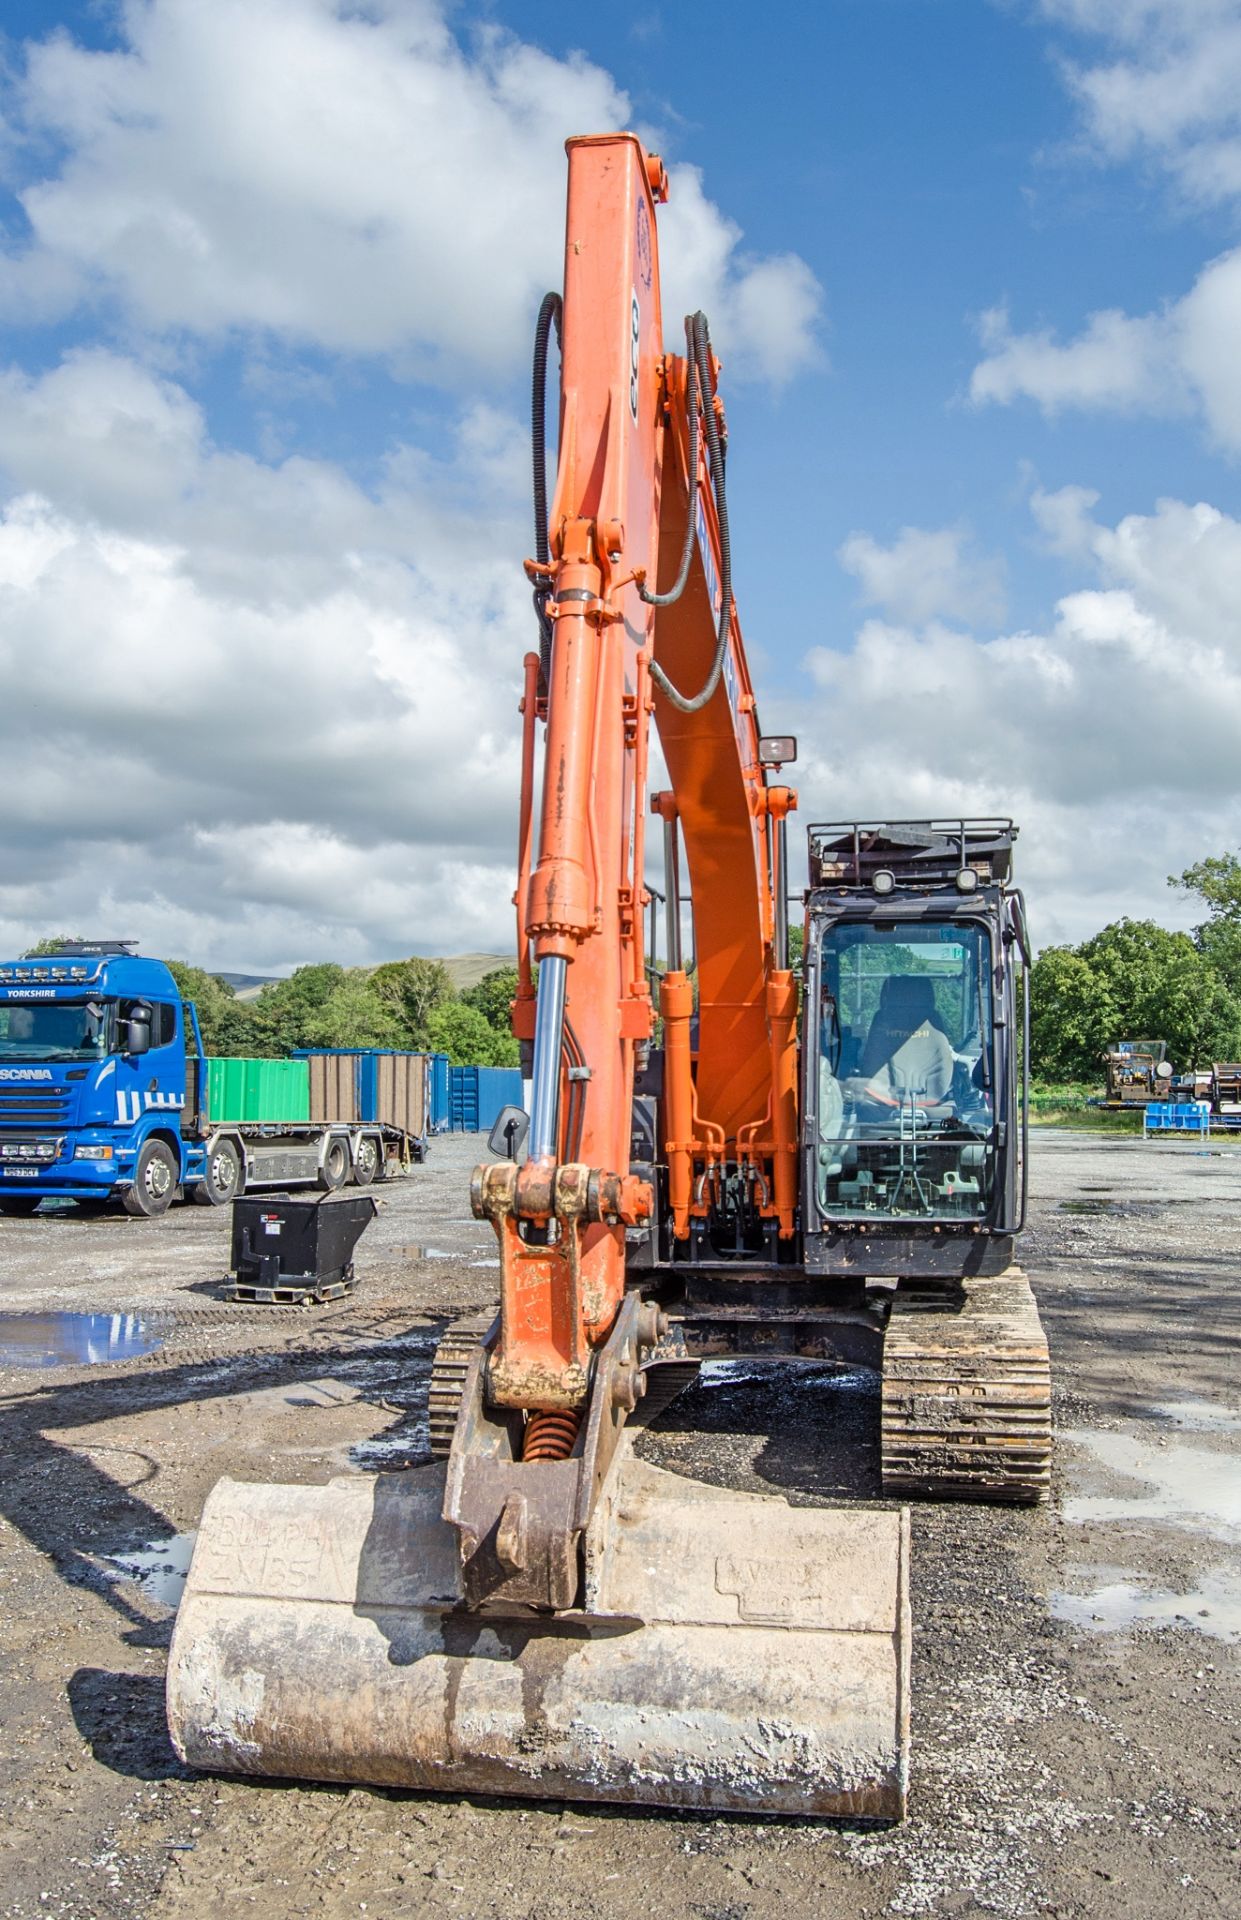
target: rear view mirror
507 1138
138 1030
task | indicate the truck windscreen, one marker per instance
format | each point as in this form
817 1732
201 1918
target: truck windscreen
54 1030
906 1073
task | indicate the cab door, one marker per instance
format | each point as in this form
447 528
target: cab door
154 1081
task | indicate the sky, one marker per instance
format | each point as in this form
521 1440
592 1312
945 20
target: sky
268 278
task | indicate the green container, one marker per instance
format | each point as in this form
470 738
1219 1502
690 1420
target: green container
258 1092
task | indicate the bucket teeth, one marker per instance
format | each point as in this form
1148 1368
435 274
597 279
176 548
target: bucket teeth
967 1394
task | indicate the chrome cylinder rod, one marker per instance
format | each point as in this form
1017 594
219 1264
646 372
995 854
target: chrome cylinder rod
548 1040
672 895
780 877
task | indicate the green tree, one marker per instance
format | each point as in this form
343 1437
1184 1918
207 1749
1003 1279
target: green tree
285 1010
493 997
468 1038
1217 882
1166 988
352 1015
1070 1008
51 943
228 1024
411 990
1133 980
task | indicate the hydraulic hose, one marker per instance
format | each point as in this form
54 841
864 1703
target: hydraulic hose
675 591
698 355
699 338
549 314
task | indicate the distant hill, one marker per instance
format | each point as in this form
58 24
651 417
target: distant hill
467 969
464 970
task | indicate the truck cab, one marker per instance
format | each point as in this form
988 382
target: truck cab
95 1042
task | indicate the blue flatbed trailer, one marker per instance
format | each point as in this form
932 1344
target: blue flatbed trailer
103 1080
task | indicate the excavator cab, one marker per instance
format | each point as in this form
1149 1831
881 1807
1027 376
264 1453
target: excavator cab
915 1094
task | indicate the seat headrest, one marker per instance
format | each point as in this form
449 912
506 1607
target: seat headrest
907 999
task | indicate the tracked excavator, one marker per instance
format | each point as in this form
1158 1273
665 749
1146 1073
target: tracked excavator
829 1167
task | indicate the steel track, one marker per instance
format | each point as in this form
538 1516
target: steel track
967 1394
457 1347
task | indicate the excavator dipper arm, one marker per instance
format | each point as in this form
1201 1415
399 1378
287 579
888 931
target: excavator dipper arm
543 1612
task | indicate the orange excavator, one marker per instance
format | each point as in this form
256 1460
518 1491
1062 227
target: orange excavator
830 1168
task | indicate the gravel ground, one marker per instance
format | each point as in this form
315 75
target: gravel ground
1076 1669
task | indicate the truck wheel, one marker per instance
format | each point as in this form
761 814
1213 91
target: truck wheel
155 1182
335 1169
366 1162
223 1177
19 1202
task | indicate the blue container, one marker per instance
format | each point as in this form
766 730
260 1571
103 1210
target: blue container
478 1093
439 1096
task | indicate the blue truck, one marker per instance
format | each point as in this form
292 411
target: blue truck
105 1097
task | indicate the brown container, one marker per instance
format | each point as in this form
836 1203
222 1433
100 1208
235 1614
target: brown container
401 1091
334 1088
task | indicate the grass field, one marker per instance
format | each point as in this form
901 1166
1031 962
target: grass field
1068 1106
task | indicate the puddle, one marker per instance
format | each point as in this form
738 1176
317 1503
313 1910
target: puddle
733 1373
787 1371
1183 1486
482 1263
412 1449
73 1339
1213 1607
428 1253
1197 1416
1092 1207
160 1568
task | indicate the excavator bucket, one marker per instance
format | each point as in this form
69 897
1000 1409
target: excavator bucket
732 1652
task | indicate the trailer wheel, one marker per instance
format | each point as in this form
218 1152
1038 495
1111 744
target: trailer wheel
366 1161
155 1182
19 1202
223 1182
335 1169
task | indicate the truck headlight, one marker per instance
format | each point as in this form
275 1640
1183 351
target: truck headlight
92 1153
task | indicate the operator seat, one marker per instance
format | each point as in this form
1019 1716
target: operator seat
906 1053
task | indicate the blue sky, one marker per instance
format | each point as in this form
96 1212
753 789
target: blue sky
267 273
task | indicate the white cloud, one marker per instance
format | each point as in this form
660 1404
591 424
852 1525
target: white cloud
926 574
1171 90
1184 357
354 179
1109 734
254 704
258 714
1063 519
1117 363
1168 92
